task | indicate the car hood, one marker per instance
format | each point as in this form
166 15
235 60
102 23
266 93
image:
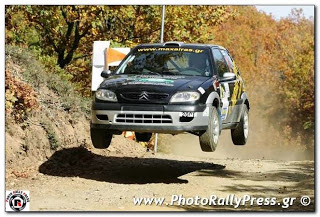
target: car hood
152 83
122 84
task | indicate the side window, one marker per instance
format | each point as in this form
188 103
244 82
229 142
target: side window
220 62
228 60
235 67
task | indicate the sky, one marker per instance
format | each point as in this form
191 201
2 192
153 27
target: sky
284 10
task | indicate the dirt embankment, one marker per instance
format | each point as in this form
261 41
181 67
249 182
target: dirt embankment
50 127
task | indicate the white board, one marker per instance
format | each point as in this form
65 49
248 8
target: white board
98 61
99 58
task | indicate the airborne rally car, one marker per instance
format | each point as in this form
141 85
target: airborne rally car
172 88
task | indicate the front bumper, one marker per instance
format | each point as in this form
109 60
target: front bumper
149 117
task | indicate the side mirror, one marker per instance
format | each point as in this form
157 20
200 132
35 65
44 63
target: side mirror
106 73
228 76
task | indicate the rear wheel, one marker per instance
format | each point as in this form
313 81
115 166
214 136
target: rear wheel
239 135
209 139
100 138
143 137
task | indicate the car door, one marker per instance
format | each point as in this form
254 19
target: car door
226 87
236 89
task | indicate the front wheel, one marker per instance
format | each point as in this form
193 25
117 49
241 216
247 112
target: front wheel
100 138
239 135
209 139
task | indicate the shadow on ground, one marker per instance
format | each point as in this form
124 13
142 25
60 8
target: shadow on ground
294 179
297 176
123 170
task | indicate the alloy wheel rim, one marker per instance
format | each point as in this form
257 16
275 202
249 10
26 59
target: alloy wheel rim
215 130
246 125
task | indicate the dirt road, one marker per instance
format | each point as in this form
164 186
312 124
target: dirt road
97 180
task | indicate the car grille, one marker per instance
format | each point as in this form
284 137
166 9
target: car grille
143 118
144 96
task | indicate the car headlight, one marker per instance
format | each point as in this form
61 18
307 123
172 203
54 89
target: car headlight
185 97
106 95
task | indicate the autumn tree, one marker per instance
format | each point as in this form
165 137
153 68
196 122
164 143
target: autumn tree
64 29
276 58
297 65
192 24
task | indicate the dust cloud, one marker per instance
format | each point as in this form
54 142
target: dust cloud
188 145
264 142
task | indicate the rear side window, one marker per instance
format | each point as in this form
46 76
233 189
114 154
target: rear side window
220 62
228 60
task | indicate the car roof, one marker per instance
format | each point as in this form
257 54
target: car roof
180 44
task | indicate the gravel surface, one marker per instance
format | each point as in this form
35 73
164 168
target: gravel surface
87 179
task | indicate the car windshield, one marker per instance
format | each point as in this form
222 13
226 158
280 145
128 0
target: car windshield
167 61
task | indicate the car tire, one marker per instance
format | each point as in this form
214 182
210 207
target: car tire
143 137
100 138
209 139
239 135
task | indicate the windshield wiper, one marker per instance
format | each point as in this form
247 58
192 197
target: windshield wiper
152 73
144 73
169 73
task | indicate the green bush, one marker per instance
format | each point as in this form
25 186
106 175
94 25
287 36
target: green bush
51 135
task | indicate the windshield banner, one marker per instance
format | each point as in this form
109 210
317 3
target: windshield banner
177 49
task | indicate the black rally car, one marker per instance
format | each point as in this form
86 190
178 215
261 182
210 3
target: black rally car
172 88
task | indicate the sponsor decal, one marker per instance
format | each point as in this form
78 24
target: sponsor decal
224 112
225 94
176 49
17 201
154 80
206 112
201 90
215 83
226 90
236 93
